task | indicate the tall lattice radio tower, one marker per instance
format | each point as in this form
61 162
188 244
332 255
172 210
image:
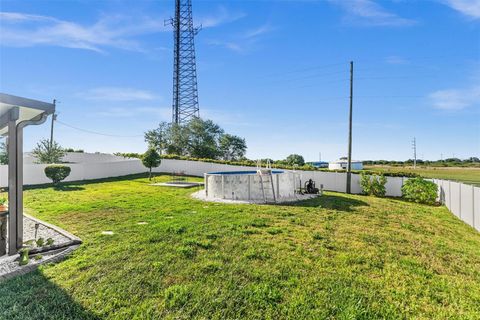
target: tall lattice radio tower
185 92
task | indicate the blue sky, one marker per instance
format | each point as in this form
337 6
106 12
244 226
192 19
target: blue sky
274 72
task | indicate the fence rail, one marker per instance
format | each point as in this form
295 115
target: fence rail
461 199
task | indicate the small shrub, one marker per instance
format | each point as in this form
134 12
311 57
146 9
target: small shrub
40 242
373 185
420 190
57 172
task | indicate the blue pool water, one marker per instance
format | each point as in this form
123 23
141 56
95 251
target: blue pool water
241 172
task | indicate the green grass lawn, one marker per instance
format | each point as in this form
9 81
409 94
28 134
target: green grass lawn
335 257
465 175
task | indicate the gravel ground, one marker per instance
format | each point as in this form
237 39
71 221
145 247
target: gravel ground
9 265
43 232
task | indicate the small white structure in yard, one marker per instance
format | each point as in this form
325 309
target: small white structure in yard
342 165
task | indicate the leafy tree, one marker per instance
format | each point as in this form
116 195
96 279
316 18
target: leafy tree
3 153
157 138
151 159
46 153
198 138
57 173
453 160
203 138
232 147
295 159
177 139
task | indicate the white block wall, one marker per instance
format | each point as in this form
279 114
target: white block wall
461 199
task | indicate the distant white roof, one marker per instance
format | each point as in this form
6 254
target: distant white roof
345 161
28 109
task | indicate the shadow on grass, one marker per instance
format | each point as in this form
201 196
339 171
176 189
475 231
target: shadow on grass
334 202
65 187
32 296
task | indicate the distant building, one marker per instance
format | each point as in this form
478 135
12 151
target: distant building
319 164
342 165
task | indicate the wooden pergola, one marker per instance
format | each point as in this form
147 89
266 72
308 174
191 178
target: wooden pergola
15 114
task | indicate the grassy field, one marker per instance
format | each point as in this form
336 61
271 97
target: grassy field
334 257
466 175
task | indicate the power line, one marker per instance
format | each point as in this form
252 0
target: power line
95 132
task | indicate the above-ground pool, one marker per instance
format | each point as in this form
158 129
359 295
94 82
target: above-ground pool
277 185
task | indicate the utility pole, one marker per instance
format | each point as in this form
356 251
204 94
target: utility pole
349 164
414 147
54 117
320 156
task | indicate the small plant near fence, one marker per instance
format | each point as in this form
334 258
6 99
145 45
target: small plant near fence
420 190
57 172
373 185
151 159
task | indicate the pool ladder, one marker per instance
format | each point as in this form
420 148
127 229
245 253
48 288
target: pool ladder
266 181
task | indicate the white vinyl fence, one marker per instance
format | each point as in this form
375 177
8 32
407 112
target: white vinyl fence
461 199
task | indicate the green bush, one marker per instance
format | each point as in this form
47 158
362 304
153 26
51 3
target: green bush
420 190
373 184
57 172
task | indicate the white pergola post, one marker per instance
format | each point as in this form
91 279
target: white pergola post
15 114
12 181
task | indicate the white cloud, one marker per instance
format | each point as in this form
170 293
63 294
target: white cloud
222 16
455 99
470 8
368 12
117 31
243 42
118 94
263 29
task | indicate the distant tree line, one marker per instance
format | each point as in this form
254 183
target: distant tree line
449 162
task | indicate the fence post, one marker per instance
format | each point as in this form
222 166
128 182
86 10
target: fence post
460 200
449 194
473 206
223 186
206 184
